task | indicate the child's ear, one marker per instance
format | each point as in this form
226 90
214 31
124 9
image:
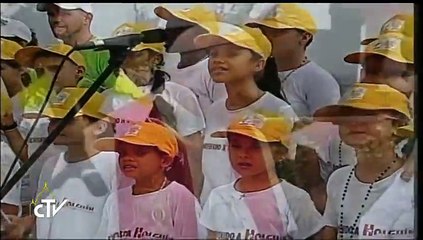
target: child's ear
100 128
260 65
80 71
167 161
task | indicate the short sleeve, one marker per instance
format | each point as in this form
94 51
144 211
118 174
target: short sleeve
323 90
330 216
186 216
189 117
307 218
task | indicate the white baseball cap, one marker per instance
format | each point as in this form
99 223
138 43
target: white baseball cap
86 7
14 28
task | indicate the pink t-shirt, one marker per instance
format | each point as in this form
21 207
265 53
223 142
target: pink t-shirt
171 213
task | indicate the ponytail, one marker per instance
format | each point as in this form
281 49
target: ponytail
269 80
159 79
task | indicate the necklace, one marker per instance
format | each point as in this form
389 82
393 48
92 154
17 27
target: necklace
365 198
303 62
340 154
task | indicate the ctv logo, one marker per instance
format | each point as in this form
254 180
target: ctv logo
51 204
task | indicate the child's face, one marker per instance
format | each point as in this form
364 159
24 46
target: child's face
69 74
229 63
139 66
248 156
138 161
365 129
78 131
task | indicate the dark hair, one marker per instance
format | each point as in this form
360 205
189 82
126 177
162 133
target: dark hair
34 39
268 80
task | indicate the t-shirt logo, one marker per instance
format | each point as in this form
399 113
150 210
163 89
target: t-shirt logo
394 25
133 130
355 93
387 44
256 120
60 99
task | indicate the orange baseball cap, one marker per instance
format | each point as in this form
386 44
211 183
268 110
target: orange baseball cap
260 127
149 133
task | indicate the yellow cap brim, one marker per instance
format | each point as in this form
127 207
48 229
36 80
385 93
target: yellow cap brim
224 134
367 41
360 57
168 14
275 25
26 56
210 40
109 143
61 113
333 112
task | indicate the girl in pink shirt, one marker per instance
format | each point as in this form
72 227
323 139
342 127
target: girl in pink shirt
154 207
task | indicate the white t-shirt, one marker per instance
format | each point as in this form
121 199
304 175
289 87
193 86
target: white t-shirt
354 199
171 213
186 109
277 212
309 88
86 185
7 157
40 133
216 167
197 78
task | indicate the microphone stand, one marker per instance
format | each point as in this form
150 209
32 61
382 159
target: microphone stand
117 56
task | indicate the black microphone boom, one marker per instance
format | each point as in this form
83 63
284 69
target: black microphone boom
126 41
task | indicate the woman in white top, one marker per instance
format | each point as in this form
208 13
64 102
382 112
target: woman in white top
259 204
237 56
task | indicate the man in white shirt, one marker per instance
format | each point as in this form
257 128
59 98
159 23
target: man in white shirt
306 85
192 70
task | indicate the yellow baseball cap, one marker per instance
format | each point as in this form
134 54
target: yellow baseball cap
394 46
288 16
27 55
130 28
245 37
260 127
9 49
400 23
60 104
198 14
148 133
366 96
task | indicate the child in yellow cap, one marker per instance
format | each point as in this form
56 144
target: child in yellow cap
369 199
82 174
154 206
182 26
307 85
259 204
70 75
236 56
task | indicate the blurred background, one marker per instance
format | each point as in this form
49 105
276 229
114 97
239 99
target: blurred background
342 26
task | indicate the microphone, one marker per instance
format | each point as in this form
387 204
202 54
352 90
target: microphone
126 41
